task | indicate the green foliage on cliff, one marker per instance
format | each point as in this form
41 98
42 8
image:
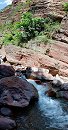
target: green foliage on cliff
29 28
65 6
24 30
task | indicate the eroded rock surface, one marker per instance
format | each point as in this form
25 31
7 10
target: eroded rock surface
55 60
51 7
62 34
16 92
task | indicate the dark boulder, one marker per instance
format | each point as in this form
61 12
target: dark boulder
51 93
7 124
56 84
6 71
64 87
60 88
16 92
63 91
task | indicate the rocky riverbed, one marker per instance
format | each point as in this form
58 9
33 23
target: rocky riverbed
34 79
17 95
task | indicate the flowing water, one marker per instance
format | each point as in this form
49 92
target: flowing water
46 114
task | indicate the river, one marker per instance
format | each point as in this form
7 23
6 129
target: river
46 114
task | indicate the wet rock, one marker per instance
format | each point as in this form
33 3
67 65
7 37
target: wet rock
51 93
7 123
38 74
39 77
5 111
19 67
65 87
65 79
34 69
65 95
16 92
19 74
60 88
62 94
49 76
6 71
56 84
28 72
38 81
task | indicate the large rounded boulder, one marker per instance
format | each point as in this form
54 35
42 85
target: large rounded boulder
6 71
7 123
16 92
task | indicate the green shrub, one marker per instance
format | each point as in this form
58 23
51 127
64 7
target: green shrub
17 25
29 28
17 38
65 6
32 26
7 39
42 39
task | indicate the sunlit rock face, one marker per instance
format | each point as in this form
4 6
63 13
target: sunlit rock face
45 7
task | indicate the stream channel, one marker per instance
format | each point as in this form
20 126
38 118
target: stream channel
46 114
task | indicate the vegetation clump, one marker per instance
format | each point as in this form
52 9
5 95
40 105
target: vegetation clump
28 28
65 6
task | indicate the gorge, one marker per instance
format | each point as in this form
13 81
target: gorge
34 65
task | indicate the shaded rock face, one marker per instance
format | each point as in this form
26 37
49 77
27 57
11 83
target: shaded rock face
6 71
56 84
16 92
7 123
62 34
61 89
